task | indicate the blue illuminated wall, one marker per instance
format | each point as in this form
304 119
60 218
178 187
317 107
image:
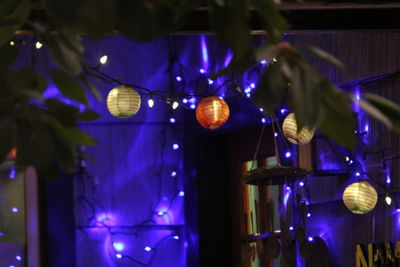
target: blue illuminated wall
365 55
131 205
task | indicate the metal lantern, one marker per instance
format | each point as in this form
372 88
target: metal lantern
289 128
212 112
123 102
360 197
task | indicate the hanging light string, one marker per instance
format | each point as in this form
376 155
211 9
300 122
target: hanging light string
94 208
97 73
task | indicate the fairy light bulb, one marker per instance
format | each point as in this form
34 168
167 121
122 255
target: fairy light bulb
388 200
175 105
38 45
103 59
118 246
150 102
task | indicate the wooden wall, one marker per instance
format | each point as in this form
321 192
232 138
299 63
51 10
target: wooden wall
365 54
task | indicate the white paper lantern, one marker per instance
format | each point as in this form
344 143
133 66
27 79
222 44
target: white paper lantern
123 102
360 197
289 128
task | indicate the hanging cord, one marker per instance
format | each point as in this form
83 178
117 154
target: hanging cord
280 131
276 147
258 147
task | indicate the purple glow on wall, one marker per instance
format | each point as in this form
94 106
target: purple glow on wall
106 219
118 246
12 173
204 52
228 59
53 92
286 198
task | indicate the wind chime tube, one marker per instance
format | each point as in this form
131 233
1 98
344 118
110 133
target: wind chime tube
276 148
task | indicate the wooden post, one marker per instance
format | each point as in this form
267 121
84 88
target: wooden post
32 218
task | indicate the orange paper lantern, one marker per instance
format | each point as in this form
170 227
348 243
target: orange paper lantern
12 154
212 112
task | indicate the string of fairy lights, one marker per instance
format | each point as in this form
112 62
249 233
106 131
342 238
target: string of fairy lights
185 98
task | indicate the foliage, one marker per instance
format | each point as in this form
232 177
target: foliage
45 131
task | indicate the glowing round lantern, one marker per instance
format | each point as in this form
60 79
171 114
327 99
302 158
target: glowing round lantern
289 128
12 155
123 102
360 197
212 112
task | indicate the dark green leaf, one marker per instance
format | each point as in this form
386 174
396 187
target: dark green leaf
305 97
66 115
274 22
6 34
375 113
236 65
337 111
18 16
231 26
67 58
25 79
65 149
14 16
76 136
324 55
68 86
93 89
383 110
8 55
267 52
271 88
71 40
88 115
